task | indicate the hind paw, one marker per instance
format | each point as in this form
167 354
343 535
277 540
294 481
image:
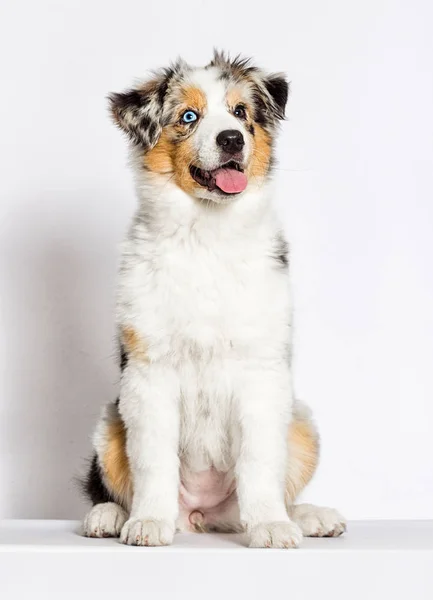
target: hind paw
104 520
318 521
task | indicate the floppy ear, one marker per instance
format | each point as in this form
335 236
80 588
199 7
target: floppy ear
278 88
138 112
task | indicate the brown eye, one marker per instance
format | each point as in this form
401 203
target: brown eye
240 112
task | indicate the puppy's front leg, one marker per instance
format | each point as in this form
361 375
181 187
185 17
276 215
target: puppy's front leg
265 399
150 409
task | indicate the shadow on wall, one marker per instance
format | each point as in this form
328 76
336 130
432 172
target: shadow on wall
59 268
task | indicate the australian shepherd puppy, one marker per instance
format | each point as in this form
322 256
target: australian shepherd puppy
206 434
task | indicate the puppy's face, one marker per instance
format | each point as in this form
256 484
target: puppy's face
211 129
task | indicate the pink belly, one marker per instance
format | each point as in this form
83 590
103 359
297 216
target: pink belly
203 495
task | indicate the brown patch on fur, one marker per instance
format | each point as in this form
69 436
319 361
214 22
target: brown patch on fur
193 97
169 157
234 97
183 153
184 157
115 463
160 158
303 457
134 345
173 157
261 154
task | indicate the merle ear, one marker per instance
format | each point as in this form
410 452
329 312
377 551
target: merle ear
278 89
138 113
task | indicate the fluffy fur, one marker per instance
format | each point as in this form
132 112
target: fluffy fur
206 433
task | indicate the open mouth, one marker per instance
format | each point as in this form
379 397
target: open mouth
228 178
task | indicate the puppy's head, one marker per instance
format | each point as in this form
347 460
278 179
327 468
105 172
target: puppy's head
210 129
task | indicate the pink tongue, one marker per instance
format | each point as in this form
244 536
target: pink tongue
230 181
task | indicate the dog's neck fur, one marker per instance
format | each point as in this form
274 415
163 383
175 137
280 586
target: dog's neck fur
166 211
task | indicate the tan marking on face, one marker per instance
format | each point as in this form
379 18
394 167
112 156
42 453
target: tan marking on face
134 345
167 157
184 157
115 463
194 98
303 448
261 154
172 154
183 152
234 97
160 158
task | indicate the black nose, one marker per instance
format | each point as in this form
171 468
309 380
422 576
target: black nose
230 140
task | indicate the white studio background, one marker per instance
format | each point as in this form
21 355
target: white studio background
355 189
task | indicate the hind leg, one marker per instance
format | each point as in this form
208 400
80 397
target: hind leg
104 520
314 521
107 484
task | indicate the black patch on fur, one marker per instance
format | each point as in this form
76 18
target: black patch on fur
241 63
224 76
138 111
162 89
123 359
93 485
283 259
232 68
251 129
127 100
152 132
145 122
128 109
280 251
261 113
278 89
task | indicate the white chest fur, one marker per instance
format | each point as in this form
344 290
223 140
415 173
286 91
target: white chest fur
205 292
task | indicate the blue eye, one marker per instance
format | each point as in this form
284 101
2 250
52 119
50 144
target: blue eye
189 116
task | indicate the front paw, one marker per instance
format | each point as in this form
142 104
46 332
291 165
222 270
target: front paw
278 534
147 532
